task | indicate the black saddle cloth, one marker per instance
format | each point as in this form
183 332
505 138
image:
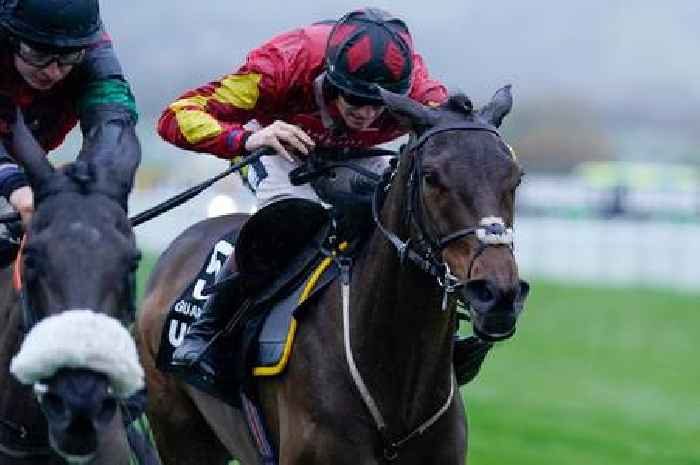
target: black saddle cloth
274 252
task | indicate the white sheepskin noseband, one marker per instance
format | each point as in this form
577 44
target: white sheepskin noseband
80 339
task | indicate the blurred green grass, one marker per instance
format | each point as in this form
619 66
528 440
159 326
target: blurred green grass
148 261
593 376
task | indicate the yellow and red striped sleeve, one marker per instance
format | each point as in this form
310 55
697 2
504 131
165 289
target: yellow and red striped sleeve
210 119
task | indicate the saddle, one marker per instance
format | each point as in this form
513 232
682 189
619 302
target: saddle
275 253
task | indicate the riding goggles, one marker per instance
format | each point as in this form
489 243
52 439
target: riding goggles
358 101
41 59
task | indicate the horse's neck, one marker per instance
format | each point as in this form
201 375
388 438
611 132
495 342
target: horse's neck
401 338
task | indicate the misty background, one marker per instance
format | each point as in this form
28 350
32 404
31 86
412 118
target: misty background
606 79
605 116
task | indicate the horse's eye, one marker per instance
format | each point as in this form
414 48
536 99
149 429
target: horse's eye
431 178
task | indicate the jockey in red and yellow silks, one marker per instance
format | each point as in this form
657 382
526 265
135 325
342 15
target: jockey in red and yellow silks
314 87
277 82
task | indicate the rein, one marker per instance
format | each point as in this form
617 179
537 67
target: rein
183 197
177 199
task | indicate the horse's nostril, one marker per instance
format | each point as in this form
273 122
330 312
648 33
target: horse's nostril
53 405
81 426
484 294
478 290
107 411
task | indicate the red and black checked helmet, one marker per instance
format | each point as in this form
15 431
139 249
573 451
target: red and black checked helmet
369 48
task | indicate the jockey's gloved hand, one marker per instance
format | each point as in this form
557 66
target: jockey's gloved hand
282 138
22 199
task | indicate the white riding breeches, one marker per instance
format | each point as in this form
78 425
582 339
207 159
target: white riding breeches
275 184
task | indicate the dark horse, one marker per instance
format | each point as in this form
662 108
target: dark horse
371 378
66 335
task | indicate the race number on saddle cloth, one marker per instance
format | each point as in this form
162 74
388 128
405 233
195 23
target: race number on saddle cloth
282 264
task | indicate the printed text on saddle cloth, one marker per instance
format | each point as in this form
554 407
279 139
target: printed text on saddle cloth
189 307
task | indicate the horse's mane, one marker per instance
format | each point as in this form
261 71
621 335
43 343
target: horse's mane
81 174
459 103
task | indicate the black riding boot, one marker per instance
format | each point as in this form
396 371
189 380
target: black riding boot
193 353
469 354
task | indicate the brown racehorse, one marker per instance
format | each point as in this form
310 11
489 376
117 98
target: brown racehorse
77 272
371 378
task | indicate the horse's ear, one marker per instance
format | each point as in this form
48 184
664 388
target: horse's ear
417 115
499 106
29 154
113 148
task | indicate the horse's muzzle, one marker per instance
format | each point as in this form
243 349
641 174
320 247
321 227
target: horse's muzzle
494 310
78 406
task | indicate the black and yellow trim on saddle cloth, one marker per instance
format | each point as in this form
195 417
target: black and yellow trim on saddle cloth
275 344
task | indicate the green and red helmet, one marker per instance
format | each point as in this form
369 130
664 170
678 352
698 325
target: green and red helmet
369 48
57 24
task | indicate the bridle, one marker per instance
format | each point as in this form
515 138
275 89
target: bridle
425 250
